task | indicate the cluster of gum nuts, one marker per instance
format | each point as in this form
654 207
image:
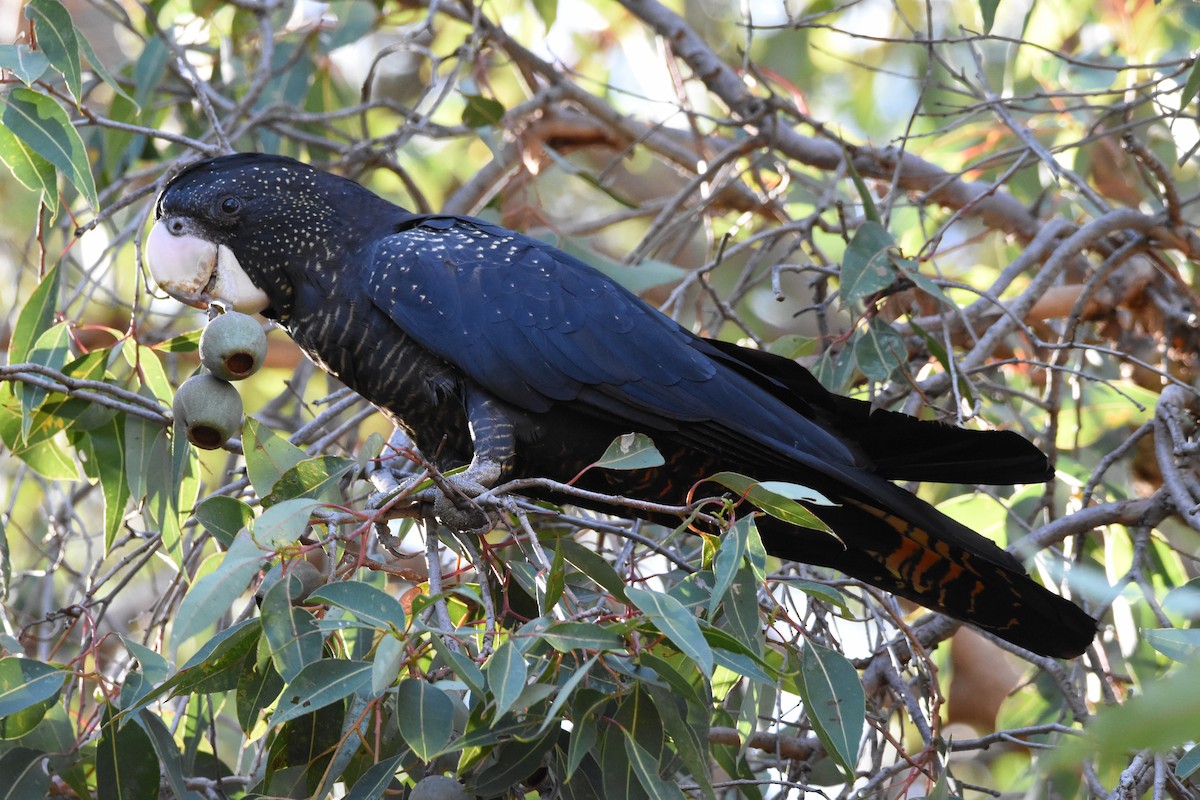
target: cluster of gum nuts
232 348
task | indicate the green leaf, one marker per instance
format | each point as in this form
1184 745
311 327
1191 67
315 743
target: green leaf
374 782
822 592
34 172
674 621
589 563
315 478
987 9
56 36
319 684
268 456
223 517
24 62
85 47
867 263
631 451
464 668
688 725
169 760
908 268
741 614
51 350
153 665
645 766
1188 765
880 351
258 685
836 704
1177 644
5 564
41 123
547 10
778 499
371 605
481 112
567 636
565 692
389 656
1161 717
106 445
733 548
870 212
426 717
36 317
25 682
282 524
123 770
506 673
556 581
735 656
292 634
215 592
23 774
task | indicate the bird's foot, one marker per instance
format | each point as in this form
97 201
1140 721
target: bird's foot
452 501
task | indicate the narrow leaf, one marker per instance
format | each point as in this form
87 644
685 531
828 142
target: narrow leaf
631 451
123 770
169 758
268 455
481 112
319 684
780 502
36 317
42 124
568 636
292 634
506 673
674 621
645 766
107 445
56 36
214 593
223 517
371 605
25 682
987 9
283 524
880 351
426 717
24 62
866 265
834 698
312 477
30 169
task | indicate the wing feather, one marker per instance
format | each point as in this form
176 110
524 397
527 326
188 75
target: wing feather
535 326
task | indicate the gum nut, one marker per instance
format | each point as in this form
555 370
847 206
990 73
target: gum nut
233 346
209 409
438 787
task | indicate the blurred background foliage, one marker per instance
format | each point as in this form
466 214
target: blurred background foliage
973 210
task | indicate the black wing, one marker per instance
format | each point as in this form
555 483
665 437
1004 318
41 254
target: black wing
534 326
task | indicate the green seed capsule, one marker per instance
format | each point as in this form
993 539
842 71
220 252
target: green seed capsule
438 787
233 346
209 409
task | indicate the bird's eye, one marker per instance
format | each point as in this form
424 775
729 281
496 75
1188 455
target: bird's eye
231 205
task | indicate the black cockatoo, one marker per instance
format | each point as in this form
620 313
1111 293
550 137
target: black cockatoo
494 350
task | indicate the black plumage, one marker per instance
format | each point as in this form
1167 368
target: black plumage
499 351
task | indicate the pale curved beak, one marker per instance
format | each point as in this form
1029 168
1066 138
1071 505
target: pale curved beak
196 271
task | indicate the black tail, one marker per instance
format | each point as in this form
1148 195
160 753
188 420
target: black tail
980 584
